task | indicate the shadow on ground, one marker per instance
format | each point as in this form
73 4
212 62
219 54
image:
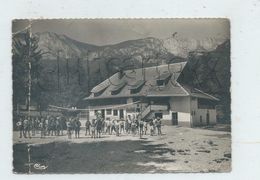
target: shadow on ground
96 157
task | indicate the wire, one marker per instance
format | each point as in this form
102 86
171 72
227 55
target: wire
109 107
27 27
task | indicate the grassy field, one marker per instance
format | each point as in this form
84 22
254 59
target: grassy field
179 149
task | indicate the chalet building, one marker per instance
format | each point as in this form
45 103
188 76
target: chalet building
151 92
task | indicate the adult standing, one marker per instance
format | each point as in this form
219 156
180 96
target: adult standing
158 125
117 126
77 127
19 124
99 125
26 125
33 125
42 127
113 126
122 125
92 128
141 127
151 124
87 125
69 127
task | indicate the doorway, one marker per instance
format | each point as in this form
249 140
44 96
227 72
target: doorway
121 113
207 118
175 118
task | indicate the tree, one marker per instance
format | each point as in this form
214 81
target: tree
25 51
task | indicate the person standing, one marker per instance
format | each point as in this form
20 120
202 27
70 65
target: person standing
126 126
69 127
145 127
92 128
151 124
26 125
77 127
19 124
122 125
154 125
87 125
42 127
57 126
52 125
47 126
99 126
117 126
113 126
158 126
141 128
33 125
108 127
129 124
37 122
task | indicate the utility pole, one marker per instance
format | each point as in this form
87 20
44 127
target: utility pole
67 70
58 69
88 72
143 70
99 70
79 78
29 71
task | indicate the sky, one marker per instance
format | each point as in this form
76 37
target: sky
112 31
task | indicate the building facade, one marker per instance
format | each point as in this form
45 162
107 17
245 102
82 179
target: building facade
152 92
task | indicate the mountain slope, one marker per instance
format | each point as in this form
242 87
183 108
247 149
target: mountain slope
182 46
210 72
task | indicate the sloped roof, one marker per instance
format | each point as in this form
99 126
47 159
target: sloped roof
147 78
118 86
137 85
194 92
164 76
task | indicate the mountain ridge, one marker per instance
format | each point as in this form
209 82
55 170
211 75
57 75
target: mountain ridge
174 46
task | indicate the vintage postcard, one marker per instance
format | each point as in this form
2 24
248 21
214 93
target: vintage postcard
121 96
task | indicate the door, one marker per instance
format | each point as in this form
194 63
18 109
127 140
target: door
121 113
207 118
175 118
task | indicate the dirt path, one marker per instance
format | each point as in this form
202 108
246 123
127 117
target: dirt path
179 149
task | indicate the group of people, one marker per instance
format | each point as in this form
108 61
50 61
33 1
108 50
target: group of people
132 125
46 126
55 125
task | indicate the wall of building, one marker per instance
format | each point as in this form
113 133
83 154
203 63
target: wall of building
184 119
181 105
199 116
109 116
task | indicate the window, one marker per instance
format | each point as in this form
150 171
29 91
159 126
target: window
160 115
109 111
136 88
160 82
206 104
100 91
118 88
163 79
115 112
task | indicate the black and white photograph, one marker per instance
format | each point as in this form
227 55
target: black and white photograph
113 96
